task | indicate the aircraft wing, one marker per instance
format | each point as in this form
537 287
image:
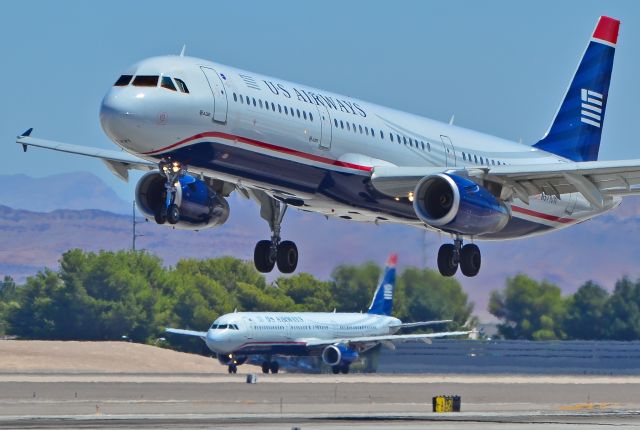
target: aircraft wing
385 338
119 162
421 323
593 179
200 334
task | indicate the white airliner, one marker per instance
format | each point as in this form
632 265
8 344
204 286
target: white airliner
339 338
205 130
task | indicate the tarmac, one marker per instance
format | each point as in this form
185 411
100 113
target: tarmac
178 395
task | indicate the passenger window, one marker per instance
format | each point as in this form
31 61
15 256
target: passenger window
335 122
428 147
145 81
286 112
279 109
404 139
235 99
182 86
354 127
298 111
260 103
391 136
348 127
381 135
254 102
360 127
310 117
273 107
422 143
398 137
341 125
304 114
241 99
123 81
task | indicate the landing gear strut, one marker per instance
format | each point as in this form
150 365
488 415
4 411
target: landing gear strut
268 253
450 256
169 211
340 368
272 366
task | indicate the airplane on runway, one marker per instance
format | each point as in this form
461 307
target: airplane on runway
205 130
338 338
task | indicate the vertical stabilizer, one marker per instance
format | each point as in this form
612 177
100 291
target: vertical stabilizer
382 303
577 127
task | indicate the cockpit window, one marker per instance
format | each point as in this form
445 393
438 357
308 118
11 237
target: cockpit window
182 86
224 326
145 81
167 83
123 81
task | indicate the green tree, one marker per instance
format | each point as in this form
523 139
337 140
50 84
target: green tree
425 295
354 286
585 313
622 311
529 309
309 293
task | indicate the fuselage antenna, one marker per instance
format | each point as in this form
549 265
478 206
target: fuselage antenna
184 48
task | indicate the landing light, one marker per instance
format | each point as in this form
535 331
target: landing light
410 196
175 169
140 95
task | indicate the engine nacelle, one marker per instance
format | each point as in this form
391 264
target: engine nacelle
227 359
199 206
333 355
456 204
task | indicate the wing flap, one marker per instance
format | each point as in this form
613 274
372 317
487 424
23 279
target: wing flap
200 334
607 177
385 338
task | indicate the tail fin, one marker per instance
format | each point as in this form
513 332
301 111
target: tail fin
576 129
382 303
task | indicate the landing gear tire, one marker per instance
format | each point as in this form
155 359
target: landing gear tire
160 217
447 263
335 369
344 369
470 260
233 368
287 256
274 367
262 258
173 214
265 367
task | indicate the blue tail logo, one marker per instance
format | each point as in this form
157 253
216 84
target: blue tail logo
576 130
382 303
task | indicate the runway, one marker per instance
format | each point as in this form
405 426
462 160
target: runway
189 400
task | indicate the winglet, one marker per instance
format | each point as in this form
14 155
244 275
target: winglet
25 134
607 30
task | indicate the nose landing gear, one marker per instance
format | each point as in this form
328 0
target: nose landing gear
169 211
450 256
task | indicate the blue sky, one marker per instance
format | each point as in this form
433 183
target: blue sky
501 67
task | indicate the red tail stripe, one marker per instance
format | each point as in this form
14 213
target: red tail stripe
607 30
263 145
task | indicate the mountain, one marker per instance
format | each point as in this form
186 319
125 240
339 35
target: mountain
79 190
602 249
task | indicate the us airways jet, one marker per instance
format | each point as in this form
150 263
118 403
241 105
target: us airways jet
339 338
205 130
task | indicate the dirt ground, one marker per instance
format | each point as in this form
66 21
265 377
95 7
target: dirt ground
21 356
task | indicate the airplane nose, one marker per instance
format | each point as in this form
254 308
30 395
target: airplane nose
118 114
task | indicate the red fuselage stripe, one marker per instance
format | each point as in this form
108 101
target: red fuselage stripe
263 145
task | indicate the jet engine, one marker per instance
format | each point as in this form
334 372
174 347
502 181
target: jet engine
334 355
199 206
227 359
456 204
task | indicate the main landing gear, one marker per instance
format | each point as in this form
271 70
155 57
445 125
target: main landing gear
268 253
340 368
450 256
272 366
169 211
233 368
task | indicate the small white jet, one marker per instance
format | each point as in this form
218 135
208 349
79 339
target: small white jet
339 338
205 130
